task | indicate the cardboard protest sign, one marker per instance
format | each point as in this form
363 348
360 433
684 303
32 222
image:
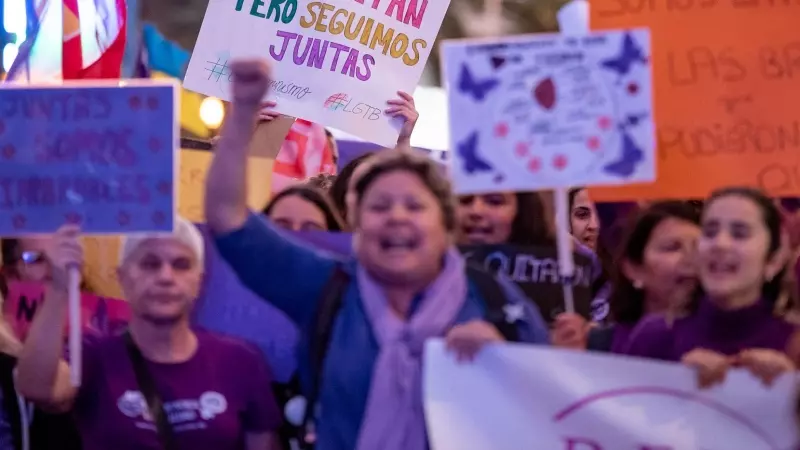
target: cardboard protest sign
99 155
334 63
535 270
100 315
725 94
547 111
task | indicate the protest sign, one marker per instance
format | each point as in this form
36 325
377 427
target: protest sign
99 155
725 94
101 315
547 111
536 272
335 63
102 252
527 397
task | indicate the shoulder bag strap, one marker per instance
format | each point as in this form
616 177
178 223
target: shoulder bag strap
321 330
148 388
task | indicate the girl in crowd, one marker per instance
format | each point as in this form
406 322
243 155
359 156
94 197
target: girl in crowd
656 274
406 284
516 218
303 208
740 268
215 390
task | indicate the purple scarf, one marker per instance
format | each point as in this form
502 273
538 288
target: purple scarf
394 418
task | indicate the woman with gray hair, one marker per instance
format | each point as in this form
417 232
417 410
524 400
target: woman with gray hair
161 384
369 316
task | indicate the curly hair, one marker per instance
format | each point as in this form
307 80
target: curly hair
322 181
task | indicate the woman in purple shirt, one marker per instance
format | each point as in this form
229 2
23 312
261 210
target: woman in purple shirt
161 384
740 267
656 274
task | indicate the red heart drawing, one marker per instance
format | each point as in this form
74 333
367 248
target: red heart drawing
534 165
123 218
135 102
152 103
545 93
9 151
501 130
593 143
159 217
604 123
19 221
560 162
521 149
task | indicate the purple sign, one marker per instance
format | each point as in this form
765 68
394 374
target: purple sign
103 157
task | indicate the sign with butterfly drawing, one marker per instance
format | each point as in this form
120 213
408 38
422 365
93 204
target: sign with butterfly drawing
546 111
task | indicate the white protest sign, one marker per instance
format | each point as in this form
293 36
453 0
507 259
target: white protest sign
335 63
520 397
550 111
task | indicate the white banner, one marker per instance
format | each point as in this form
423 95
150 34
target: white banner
335 63
519 397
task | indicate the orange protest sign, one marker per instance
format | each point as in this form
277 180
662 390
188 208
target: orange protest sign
725 76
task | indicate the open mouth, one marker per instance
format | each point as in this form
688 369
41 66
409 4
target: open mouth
478 234
722 268
394 244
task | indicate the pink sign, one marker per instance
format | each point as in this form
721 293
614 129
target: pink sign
100 315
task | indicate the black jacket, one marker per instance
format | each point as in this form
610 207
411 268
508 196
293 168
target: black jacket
45 431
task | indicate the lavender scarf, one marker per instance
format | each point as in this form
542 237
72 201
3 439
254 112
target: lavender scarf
394 418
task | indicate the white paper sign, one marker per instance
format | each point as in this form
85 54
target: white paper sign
547 111
519 397
335 63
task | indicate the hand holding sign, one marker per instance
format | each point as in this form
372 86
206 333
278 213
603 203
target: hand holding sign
66 257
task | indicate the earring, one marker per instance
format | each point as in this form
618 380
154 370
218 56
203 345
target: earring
637 284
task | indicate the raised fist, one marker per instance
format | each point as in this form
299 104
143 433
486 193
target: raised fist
250 81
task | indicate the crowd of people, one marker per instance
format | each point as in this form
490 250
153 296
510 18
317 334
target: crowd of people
710 285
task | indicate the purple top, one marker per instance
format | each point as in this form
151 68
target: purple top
726 332
622 337
212 400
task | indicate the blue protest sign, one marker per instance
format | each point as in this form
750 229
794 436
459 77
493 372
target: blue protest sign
101 156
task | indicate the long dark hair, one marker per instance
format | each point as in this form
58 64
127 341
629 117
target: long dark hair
773 221
313 195
603 255
627 302
530 223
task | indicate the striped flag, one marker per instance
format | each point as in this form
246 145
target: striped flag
72 39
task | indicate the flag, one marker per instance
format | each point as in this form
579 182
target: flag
94 39
305 152
72 39
39 57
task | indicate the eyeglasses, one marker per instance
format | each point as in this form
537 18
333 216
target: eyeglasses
33 257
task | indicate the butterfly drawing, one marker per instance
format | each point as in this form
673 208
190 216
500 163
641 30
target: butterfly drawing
477 89
631 156
468 151
630 54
